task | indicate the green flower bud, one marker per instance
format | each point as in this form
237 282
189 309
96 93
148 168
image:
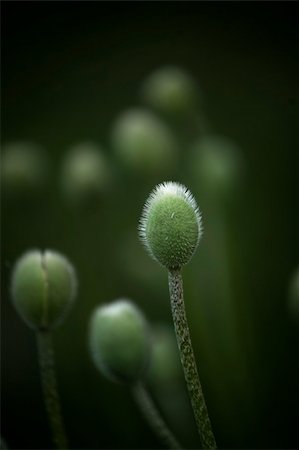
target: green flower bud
216 164
170 225
84 174
23 169
43 288
119 341
143 143
170 90
165 369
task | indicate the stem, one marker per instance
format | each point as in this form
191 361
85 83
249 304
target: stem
188 360
153 416
49 384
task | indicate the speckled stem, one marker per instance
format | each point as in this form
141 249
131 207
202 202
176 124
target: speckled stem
153 417
51 397
188 361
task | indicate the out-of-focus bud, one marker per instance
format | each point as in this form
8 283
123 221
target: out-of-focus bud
143 143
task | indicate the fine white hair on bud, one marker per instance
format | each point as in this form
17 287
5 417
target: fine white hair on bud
170 226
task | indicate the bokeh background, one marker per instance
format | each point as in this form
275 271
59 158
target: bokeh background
69 69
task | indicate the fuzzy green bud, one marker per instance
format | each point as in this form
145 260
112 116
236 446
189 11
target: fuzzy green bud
171 91
170 225
84 174
119 341
144 143
43 288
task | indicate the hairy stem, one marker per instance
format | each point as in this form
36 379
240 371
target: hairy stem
49 384
188 360
153 416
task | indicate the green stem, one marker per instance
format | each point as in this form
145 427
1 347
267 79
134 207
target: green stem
188 360
153 416
49 384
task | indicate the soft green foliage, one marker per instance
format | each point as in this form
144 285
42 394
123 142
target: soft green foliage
23 169
84 174
144 143
165 369
170 226
43 288
119 341
171 90
216 166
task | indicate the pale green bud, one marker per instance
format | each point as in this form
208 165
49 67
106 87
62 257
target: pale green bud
144 143
119 341
165 368
23 169
171 91
43 288
84 174
216 166
170 225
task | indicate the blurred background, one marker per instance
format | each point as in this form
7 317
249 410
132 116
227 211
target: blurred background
100 102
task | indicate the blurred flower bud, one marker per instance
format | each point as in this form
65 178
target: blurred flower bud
119 341
171 90
216 166
165 369
85 174
23 169
143 143
43 288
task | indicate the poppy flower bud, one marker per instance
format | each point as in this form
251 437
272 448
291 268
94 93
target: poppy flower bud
43 288
143 143
171 91
119 341
170 225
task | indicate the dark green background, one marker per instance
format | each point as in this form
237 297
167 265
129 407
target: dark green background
68 69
